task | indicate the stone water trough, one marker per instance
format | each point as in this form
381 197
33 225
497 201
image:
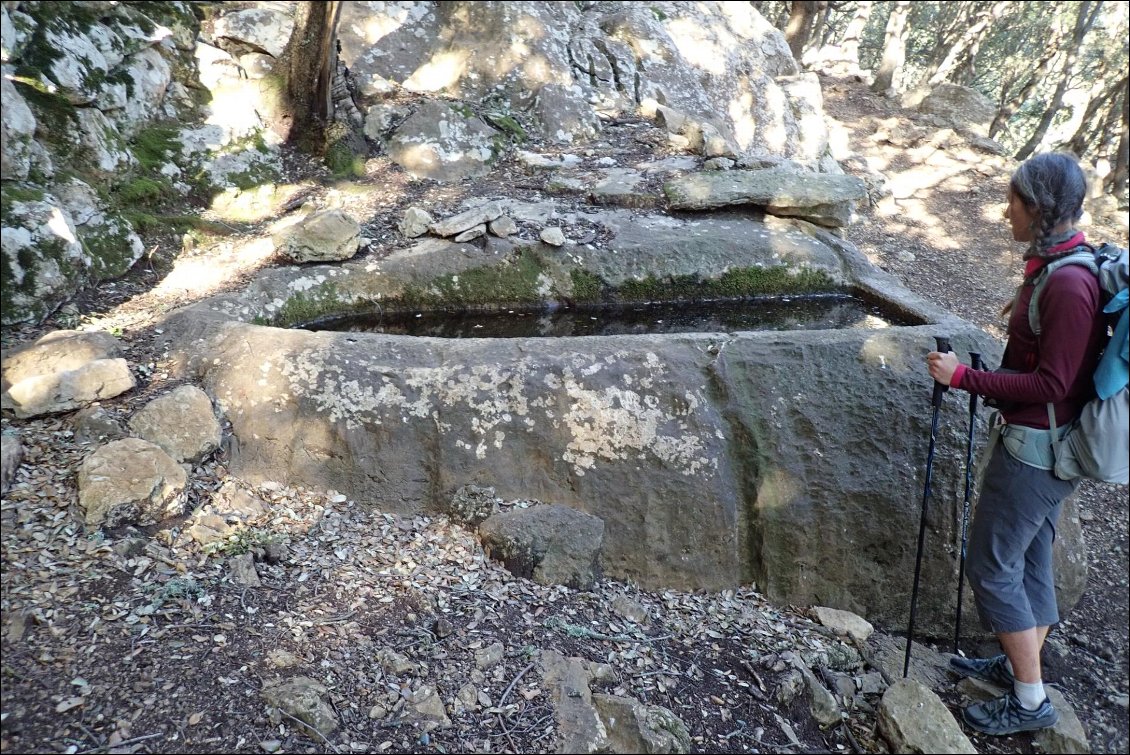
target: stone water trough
790 459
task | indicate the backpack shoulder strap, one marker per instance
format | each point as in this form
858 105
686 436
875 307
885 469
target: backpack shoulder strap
1085 257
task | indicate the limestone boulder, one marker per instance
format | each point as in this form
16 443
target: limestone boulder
472 505
57 351
182 422
465 221
709 457
65 391
260 29
17 127
1068 734
114 245
634 727
304 699
128 481
425 707
552 545
913 719
584 53
415 222
95 425
960 105
843 621
442 143
595 722
44 263
819 198
98 141
324 236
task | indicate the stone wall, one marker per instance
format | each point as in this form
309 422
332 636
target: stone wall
112 113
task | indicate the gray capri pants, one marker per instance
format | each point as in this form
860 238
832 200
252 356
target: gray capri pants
1009 561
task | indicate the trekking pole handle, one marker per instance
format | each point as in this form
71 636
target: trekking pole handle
939 389
975 361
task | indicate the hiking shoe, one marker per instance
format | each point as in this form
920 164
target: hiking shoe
1005 715
993 670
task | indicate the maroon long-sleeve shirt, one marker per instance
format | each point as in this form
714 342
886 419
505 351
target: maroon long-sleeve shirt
1058 367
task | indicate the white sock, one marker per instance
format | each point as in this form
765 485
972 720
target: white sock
1029 695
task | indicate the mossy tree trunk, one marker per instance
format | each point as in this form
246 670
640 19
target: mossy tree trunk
310 57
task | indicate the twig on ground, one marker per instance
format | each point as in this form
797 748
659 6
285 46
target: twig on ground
509 689
123 743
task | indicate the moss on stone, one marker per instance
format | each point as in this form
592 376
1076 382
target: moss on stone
463 110
587 286
508 125
155 145
11 193
317 304
109 248
734 284
55 115
142 191
518 280
342 162
257 174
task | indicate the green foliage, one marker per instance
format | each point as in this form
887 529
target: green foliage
244 541
177 588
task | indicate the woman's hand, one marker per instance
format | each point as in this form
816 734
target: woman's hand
942 366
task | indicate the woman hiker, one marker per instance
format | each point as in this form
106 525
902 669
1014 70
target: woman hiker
1010 544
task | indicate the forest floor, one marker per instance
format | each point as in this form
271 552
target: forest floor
135 642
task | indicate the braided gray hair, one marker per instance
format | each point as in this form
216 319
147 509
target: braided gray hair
1053 187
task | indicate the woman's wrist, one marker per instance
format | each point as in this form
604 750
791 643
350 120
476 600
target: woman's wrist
958 373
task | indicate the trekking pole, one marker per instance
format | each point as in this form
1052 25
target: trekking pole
936 401
974 363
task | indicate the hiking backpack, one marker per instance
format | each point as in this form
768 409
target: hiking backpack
1098 444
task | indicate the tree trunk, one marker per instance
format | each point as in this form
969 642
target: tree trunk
801 20
894 47
849 47
310 58
1010 105
948 24
1088 11
970 40
1105 93
1117 182
821 24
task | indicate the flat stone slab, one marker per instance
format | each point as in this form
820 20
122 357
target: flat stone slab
822 197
